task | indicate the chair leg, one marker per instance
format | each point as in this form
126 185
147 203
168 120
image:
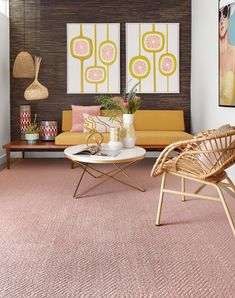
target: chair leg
183 188
226 209
159 210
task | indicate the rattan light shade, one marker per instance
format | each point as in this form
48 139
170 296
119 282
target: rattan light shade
24 66
36 90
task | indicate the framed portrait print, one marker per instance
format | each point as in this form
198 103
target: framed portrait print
227 53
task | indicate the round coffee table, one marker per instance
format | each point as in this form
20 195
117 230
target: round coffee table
127 157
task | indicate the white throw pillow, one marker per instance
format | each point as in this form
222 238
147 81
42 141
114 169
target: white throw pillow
100 123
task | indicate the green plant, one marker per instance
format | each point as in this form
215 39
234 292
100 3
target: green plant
127 104
33 127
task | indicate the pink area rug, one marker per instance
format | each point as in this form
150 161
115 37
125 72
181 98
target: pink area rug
107 244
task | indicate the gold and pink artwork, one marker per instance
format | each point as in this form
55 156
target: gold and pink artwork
93 58
152 57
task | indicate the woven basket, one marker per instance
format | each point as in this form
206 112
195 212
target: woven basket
24 66
36 90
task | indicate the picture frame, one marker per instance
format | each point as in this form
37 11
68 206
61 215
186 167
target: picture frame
226 41
93 58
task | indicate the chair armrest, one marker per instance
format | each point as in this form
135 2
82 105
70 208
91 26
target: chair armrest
164 156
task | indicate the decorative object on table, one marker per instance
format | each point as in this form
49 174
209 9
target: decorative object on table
32 132
152 57
93 62
129 136
36 90
115 142
48 130
93 142
101 123
227 53
127 104
77 116
25 119
24 65
94 137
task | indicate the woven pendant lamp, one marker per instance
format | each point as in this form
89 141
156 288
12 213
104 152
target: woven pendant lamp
24 65
36 90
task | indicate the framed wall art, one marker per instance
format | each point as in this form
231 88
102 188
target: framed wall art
93 58
227 53
152 57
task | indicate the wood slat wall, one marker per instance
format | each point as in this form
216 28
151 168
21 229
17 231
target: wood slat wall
45 34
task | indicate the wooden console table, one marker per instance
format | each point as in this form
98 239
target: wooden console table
23 146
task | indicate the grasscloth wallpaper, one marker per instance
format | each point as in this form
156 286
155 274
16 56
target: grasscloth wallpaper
40 28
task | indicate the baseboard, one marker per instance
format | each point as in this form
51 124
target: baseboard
152 154
38 154
2 159
149 154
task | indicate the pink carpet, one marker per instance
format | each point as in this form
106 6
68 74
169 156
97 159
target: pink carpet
107 244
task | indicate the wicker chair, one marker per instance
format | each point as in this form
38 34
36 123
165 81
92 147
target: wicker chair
203 159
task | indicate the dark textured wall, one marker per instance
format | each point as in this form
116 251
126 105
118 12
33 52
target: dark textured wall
47 37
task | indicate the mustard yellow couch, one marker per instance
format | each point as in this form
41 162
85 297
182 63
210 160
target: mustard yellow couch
154 129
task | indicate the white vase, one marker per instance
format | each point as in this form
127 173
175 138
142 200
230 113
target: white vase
129 137
115 143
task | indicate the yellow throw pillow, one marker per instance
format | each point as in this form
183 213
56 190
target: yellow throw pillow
100 123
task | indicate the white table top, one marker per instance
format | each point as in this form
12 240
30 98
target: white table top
125 155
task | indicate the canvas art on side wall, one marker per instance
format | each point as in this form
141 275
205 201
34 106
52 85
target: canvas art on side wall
152 57
227 53
93 58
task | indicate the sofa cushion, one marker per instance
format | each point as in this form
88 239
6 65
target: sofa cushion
160 137
142 137
67 118
100 123
144 120
156 120
75 138
77 116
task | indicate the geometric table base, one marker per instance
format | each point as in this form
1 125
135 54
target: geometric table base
110 175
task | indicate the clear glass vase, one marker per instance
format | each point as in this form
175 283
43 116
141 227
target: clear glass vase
115 143
129 137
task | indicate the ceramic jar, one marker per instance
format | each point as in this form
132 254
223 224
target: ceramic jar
25 119
48 130
32 138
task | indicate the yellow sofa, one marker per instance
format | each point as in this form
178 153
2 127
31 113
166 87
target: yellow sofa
154 129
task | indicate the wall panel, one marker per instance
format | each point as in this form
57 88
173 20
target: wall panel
45 34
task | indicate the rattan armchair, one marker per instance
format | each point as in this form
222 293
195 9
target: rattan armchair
203 159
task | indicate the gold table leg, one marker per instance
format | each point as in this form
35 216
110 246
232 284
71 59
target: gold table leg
110 175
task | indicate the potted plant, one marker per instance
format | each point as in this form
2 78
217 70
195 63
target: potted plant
32 132
127 105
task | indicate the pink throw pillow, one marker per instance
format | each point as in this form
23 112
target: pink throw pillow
77 116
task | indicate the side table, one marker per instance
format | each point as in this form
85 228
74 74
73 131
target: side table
23 147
